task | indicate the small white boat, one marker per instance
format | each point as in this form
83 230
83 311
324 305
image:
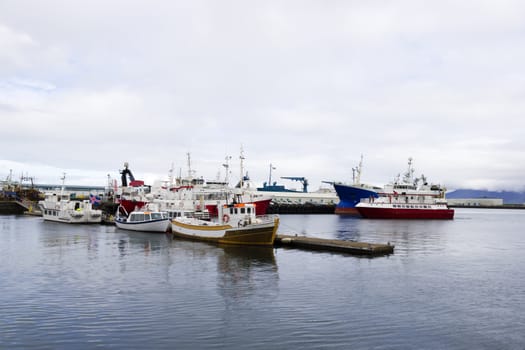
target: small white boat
237 224
143 220
60 208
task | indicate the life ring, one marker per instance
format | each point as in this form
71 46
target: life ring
225 218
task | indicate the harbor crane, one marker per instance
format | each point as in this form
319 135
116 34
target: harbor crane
126 172
302 180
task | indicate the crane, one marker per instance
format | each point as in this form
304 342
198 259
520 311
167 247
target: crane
302 180
127 172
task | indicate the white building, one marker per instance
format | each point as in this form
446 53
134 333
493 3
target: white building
476 202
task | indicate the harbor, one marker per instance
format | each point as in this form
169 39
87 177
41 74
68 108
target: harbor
68 286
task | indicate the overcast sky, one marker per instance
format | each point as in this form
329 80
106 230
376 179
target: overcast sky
307 86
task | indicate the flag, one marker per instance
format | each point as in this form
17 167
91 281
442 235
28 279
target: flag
94 199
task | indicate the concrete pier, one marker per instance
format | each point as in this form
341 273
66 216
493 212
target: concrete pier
333 245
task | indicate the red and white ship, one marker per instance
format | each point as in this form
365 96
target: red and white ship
407 199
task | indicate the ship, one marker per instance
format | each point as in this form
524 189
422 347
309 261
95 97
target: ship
407 198
189 193
351 194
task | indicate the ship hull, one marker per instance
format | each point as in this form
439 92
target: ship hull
160 226
262 234
409 214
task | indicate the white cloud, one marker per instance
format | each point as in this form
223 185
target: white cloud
308 85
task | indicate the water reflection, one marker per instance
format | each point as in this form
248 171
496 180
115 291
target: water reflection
239 269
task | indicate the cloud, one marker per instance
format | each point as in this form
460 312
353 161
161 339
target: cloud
306 85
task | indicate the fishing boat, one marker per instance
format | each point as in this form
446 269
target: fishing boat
409 198
142 220
236 224
184 193
402 207
59 207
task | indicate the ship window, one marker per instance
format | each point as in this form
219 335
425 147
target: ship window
137 217
243 211
155 216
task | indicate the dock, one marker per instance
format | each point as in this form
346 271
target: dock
334 245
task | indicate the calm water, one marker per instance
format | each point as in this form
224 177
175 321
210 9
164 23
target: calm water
449 285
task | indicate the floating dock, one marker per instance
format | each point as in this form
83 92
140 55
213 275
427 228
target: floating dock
334 245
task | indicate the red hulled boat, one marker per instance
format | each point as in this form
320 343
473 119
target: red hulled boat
407 199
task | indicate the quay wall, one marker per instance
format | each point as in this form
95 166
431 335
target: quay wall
307 208
11 208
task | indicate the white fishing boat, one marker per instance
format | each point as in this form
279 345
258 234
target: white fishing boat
237 224
59 207
142 220
184 193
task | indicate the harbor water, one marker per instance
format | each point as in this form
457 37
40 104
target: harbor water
457 284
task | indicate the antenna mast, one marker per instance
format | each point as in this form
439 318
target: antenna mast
241 157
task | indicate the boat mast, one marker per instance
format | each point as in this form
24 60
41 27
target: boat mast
270 177
63 178
170 176
408 178
356 172
226 165
189 166
241 157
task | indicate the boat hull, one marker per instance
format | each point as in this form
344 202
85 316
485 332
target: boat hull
70 216
160 226
350 196
84 219
404 213
256 234
131 205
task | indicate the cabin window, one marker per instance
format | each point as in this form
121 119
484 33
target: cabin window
243 211
137 217
156 216
249 210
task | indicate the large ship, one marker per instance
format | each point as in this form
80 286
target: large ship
351 194
409 198
279 194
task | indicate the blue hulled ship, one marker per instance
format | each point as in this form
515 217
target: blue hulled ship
351 194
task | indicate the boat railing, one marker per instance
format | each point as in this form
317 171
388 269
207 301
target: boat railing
267 217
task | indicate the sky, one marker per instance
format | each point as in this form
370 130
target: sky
305 87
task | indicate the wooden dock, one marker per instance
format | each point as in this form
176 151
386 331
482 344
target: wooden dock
334 245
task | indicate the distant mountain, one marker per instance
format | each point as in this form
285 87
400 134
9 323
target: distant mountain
508 197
